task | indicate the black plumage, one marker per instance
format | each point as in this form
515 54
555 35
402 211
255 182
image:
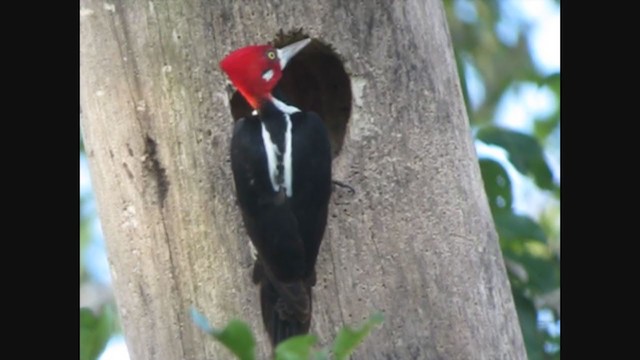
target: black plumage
285 230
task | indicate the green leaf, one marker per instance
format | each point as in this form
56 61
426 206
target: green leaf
321 355
497 185
95 331
524 242
236 336
553 81
296 348
545 126
553 346
518 227
525 153
528 317
348 339
542 128
544 274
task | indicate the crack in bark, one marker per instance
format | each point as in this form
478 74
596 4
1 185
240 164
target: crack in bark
333 263
152 163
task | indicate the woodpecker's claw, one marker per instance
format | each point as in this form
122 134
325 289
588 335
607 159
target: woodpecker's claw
343 185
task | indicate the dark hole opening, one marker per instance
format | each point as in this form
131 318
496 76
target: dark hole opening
314 80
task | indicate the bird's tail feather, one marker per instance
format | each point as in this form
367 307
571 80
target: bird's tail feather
286 309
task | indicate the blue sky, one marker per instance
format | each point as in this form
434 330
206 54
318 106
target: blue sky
517 110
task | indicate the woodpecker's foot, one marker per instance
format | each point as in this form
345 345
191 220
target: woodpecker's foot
343 185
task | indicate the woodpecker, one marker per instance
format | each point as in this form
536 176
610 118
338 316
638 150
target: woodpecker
281 163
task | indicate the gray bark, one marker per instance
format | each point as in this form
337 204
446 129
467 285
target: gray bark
416 241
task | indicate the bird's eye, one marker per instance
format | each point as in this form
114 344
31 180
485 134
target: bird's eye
271 55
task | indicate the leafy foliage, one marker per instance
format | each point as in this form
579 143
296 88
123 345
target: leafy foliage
530 246
237 337
497 184
95 331
525 153
513 228
96 328
348 339
296 348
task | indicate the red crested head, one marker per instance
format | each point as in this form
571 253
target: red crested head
255 70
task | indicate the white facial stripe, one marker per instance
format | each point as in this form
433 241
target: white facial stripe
267 75
271 149
288 181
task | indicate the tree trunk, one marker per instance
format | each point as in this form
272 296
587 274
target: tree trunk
416 241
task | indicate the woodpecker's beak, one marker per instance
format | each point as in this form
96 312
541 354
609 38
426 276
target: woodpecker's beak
286 53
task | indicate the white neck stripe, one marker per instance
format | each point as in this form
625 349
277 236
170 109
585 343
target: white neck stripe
287 109
272 151
288 170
